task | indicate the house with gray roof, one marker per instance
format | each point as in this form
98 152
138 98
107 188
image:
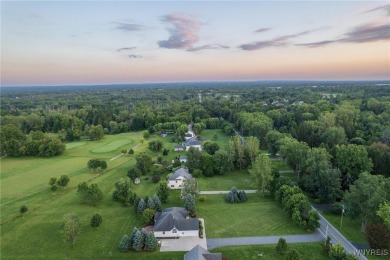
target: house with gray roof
192 142
175 222
199 253
183 158
175 179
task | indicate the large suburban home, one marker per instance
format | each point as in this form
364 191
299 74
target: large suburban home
175 179
192 142
175 222
199 253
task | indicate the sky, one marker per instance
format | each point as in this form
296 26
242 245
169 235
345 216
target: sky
119 42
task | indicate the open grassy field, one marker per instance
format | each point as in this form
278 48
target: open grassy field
240 179
308 251
259 216
24 181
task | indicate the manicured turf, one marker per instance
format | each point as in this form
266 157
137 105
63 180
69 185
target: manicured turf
259 216
208 134
74 145
309 251
240 179
112 146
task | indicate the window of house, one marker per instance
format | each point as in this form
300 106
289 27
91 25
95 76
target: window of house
174 231
176 181
172 186
163 232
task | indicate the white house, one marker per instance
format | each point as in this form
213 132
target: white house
175 180
192 142
175 222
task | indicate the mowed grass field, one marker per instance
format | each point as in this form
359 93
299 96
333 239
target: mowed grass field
307 251
38 233
259 216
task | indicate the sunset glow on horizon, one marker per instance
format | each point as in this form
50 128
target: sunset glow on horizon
68 43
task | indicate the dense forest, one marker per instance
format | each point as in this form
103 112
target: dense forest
332 117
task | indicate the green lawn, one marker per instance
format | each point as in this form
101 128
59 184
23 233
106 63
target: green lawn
308 251
208 134
240 179
259 216
112 146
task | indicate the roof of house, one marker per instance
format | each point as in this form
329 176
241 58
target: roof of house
192 141
174 217
179 146
199 253
183 156
181 172
188 135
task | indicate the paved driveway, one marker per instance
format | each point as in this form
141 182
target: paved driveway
184 243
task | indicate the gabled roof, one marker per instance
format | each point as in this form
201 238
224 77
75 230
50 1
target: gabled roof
199 253
192 141
181 172
174 218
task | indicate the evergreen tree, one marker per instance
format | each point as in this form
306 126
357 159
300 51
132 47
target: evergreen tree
137 241
96 220
281 247
141 207
150 204
189 204
151 242
125 244
157 203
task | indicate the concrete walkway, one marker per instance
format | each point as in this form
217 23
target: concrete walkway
240 241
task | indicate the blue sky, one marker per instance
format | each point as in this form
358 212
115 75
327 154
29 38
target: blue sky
96 42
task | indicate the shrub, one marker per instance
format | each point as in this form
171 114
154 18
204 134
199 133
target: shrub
281 247
147 216
124 151
23 209
131 151
378 236
63 180
337 251
134 173
96 220
156 178
351 257
200 229
327 246
53 187
202 198
293 254
165 152
52 181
